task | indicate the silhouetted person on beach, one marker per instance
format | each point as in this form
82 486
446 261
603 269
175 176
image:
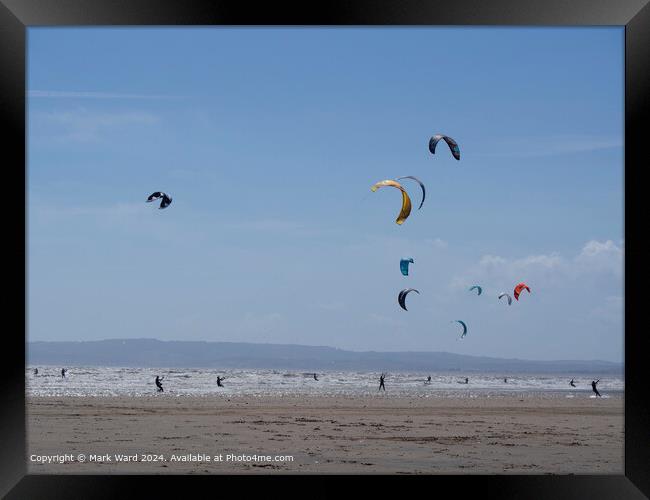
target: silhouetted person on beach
572 384
219 379
428 380
159 383
35 371
381 382
315 377
63 370
466 380
505 380
593 386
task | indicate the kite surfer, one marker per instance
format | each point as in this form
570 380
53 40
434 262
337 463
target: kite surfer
381 382
593 386
159 383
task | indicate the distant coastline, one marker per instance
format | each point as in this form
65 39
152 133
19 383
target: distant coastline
200 354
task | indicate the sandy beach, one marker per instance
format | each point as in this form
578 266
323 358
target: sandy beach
331 435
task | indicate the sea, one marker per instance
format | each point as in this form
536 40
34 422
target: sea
102 381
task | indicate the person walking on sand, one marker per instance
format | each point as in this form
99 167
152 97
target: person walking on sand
593 386
63 370
159 383
219 379
381 382
572 384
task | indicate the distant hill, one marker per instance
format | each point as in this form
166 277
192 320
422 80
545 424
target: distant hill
156 353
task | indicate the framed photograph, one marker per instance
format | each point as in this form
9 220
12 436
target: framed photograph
359 239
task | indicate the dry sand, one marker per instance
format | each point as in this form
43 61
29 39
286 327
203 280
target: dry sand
362 435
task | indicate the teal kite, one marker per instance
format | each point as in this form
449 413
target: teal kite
404 265
463 325
480 290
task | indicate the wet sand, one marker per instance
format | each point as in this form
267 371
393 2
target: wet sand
330 435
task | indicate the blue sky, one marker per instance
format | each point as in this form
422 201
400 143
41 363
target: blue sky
268 141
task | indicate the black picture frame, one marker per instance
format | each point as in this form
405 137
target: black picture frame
17 15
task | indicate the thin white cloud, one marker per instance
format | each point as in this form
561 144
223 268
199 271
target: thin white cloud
118 210
595 248
59 94
555 145
492 261
493 266
82 125
95 119
551 261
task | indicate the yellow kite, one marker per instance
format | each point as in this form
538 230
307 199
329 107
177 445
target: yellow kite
406 201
